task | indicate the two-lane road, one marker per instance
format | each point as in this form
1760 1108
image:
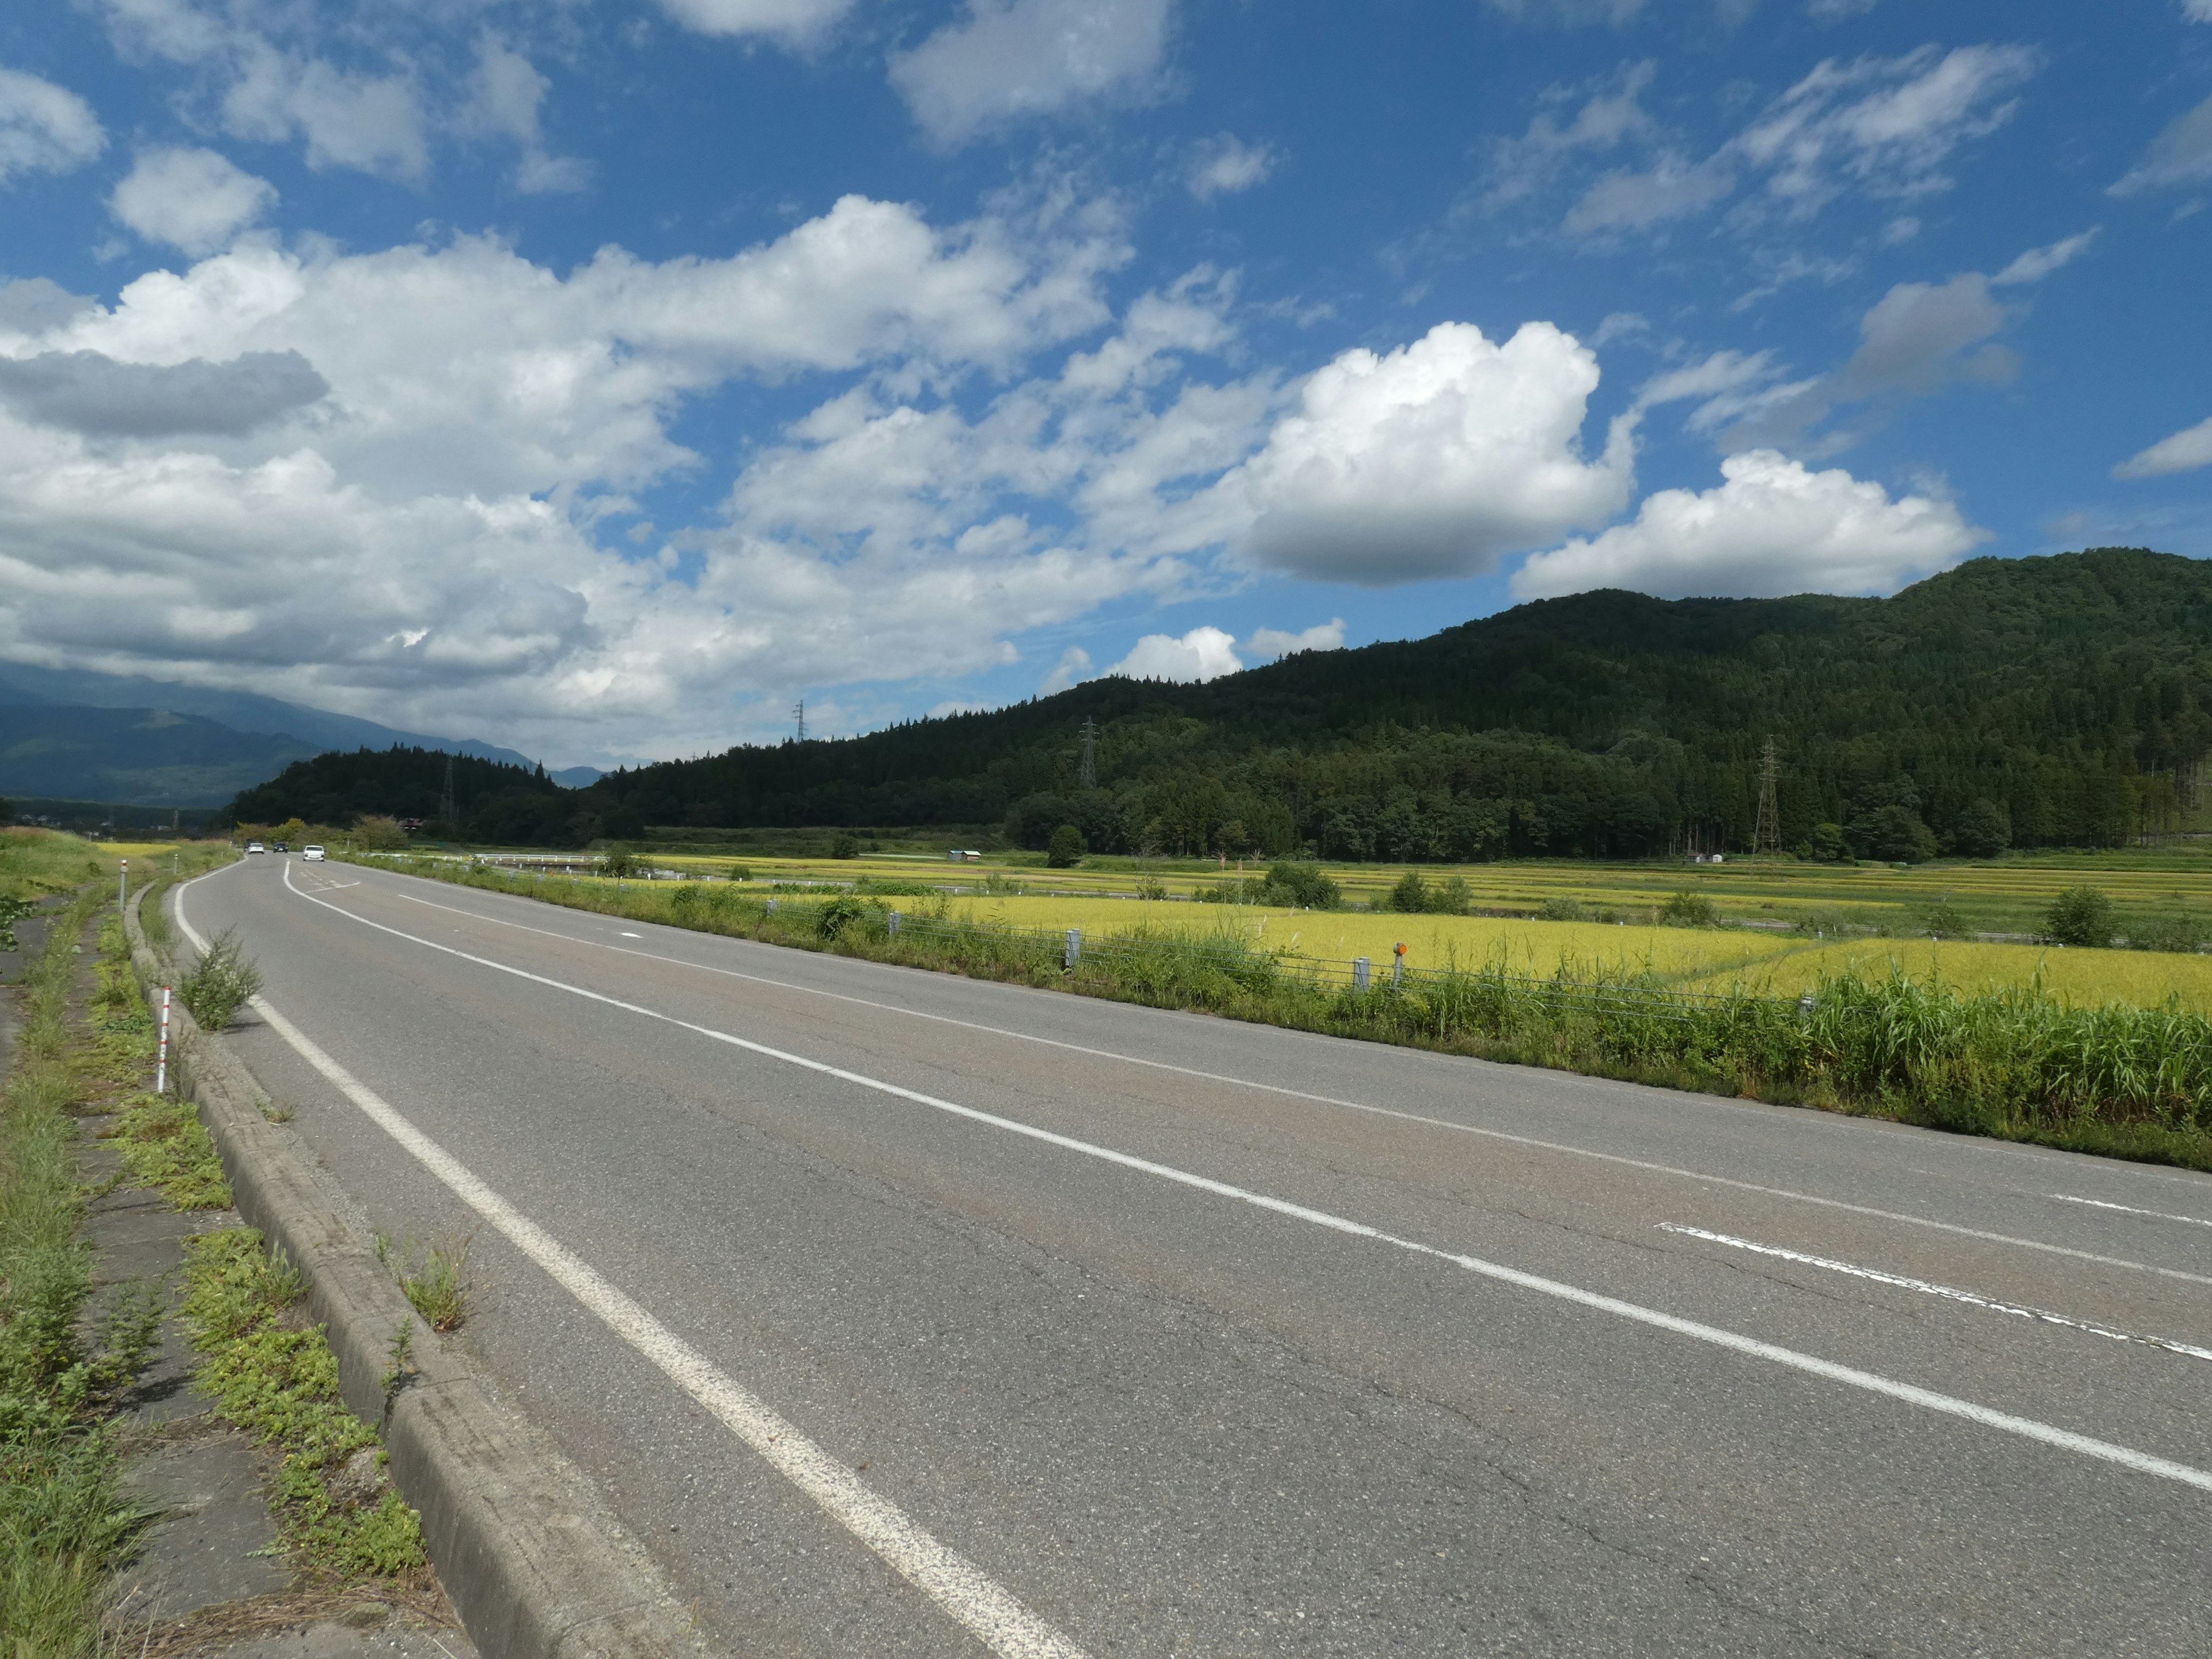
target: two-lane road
903 1314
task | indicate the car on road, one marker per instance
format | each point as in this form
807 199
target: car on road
312 853
255 847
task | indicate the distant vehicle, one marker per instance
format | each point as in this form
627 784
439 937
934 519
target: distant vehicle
282 848
312 853
255 847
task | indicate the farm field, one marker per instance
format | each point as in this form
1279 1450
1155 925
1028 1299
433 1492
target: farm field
2002 896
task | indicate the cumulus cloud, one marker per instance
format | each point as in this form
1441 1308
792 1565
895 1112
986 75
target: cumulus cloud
44 128
1224 164
1771 528
792 22
2182 155
2185 451
191 199
422 544
1433 460
1268 642
93 394
1011 59
37 304
1204 654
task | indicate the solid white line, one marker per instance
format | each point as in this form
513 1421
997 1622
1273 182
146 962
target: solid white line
962 1589
2130 1209
2027 1428
1643 1164
1928 1288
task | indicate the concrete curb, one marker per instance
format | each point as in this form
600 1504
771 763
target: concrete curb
534 1563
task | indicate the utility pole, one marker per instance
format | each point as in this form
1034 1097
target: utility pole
1089 775
1767 838
447 812
798 713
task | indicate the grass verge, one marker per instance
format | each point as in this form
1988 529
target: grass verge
64 1362
2018 1064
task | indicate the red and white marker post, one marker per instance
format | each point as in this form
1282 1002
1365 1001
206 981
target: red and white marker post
161 1064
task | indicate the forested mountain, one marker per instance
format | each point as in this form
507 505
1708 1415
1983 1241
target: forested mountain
136 757
497 802
2064 701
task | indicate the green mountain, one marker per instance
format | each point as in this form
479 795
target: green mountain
137 756
2064 701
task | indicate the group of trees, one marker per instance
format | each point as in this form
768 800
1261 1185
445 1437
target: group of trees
2059 702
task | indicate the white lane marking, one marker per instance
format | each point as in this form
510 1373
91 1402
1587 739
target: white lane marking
631 936
962 1589
1643 1164
2130 1209
2027 1428
1928 1288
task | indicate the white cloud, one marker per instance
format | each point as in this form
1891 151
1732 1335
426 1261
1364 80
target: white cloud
2198 11
794 21
1224 165
1569 12
1912 338
1267 642
2182 155
506 96
1433 460
44 128
1835 11
1771 528
2038 262
1011 59
1884 125
1610 116
2185 451
1072 669
421 543
191 199
1204 654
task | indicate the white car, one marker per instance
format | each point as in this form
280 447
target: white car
255 847
312 853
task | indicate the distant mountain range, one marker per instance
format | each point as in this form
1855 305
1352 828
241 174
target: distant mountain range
81 735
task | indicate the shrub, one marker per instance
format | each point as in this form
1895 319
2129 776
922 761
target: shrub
1827 844
378 834
1065 849
1562 910
1689 910
741 872
1410 896
1944 921
2175 930
1299 884
2082 916
844 846
842 913
619 862
222 982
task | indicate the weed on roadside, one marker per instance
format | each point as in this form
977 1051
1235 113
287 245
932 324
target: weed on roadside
165 1145
278 1379
222 983
435 1277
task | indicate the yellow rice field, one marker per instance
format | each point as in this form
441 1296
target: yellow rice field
2143 978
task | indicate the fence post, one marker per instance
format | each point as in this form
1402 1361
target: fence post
771 907
122 884
1074 945
1359 973
890 924
161 1066
1398 967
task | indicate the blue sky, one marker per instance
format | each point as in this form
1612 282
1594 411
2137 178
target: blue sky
602 376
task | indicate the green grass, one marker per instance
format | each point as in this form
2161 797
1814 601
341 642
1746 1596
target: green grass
277 1378
63 1362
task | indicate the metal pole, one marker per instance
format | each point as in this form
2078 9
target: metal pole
161 1066
1359 973
1398 967
122 884
1074 945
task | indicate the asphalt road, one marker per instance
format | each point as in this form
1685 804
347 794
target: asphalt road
905 1315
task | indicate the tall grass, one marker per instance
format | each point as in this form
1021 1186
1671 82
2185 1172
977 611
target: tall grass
2016 1062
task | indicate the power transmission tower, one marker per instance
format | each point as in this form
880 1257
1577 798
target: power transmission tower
1767 838
798 713
1090 773
447 813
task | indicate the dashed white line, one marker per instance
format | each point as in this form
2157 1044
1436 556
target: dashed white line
1928 1288
2130 1209
2027 1428
1645 1164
